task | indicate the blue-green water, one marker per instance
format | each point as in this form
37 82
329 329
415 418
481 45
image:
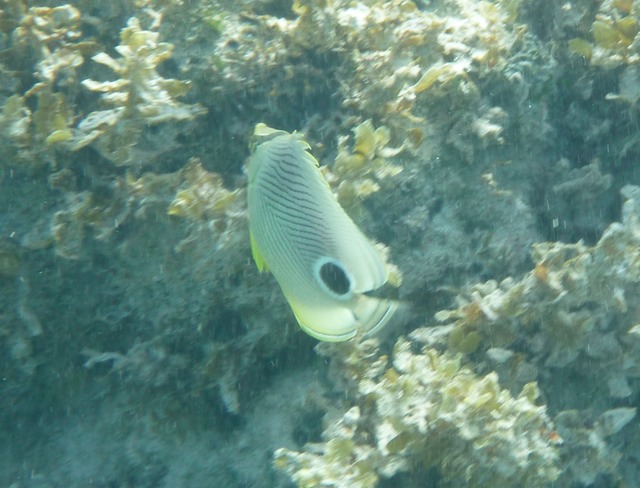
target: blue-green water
491 147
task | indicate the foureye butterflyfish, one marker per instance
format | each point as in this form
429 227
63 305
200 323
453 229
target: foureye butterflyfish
299 232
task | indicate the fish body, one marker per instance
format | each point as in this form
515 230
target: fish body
299 232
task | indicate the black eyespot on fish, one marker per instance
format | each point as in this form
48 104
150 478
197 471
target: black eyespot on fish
335 278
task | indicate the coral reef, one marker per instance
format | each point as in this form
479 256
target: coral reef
596 46
428 409
134 326
388 58
50 40
573 308
573 316
141 97
614 34
356 174
45 53
575 319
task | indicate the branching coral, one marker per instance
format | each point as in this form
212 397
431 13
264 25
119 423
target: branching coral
203 196
614 34
141 97
573 305
198 196
102 211
607 48
427 408
15 120
575 316
379 52
573 312
355 173
50 37
47 40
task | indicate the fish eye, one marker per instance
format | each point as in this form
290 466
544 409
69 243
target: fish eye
334 277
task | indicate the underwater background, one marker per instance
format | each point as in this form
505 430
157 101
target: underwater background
492 146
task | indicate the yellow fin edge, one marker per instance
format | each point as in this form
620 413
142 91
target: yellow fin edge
257 256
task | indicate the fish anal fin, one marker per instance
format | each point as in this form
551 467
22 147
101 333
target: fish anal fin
374 313
334 324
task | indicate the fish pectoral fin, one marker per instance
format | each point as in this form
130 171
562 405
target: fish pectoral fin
387 291
257 255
